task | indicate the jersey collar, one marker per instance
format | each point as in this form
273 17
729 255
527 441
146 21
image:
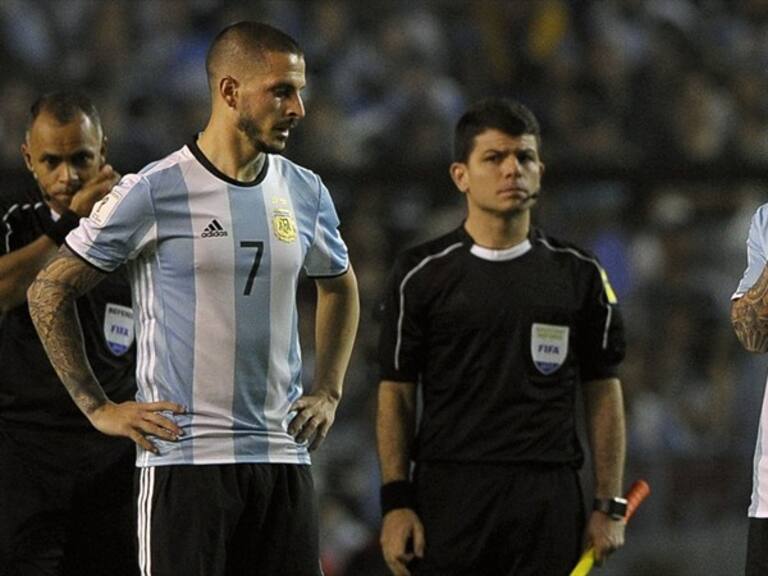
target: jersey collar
208 165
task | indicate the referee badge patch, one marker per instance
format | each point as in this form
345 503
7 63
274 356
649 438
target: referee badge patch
118 328
549 346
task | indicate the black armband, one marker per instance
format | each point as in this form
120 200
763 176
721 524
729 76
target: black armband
58 230
397 494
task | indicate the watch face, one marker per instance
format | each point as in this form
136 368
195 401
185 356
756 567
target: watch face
616 508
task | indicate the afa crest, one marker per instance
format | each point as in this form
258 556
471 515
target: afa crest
283 225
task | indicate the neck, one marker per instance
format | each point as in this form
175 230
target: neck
498 231
231 152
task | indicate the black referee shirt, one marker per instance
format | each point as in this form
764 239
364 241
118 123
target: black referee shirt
499 341
31 394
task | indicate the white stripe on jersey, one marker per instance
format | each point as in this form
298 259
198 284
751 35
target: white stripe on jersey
758 507
609 308
213 378
401 315
144 520
144 301
8 227
281 314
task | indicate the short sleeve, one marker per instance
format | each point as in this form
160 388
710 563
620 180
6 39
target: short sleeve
401 340
600 338
119 226
755 251
328 255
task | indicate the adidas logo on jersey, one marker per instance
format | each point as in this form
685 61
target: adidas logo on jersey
214 230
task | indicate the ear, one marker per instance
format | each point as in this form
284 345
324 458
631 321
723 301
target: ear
459 176
103 152
27 158
229 91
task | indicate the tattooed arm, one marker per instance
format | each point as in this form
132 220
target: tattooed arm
52 304
749 316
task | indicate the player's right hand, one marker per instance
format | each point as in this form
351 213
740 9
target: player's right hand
137 420
400 527
94 190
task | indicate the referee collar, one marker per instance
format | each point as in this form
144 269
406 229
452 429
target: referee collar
494 254
501 255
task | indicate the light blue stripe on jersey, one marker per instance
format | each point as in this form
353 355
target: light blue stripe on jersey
252 322
328 255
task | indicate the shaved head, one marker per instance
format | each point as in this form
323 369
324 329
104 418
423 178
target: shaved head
242 46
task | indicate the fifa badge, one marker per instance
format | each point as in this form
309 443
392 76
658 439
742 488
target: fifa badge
549 346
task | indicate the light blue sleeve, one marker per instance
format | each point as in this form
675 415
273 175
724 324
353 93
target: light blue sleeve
328 255
120 225
756 257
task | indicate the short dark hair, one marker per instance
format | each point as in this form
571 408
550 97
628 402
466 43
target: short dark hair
64 106
250 38
503 114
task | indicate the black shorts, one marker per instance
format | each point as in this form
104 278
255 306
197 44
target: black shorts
227 519
757 547
66 504
516 520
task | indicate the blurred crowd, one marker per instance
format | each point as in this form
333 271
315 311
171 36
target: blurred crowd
655 121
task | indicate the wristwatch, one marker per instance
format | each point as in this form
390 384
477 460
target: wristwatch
616 508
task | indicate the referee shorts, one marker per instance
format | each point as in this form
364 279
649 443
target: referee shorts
757 547
505 520
227 520
65 504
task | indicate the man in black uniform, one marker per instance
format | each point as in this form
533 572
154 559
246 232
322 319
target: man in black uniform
65 489
498 324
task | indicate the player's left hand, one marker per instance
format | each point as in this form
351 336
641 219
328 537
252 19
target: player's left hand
605 534
314 417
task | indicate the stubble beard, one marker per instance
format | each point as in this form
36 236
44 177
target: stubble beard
248 127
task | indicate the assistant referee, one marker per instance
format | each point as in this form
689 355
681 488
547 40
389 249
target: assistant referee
498 324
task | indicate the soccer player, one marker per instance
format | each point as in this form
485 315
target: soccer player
215 236
749 317
498 324
65 489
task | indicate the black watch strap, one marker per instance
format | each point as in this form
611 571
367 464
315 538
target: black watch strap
616 508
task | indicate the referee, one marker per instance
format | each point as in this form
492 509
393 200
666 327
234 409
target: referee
497 324
65 489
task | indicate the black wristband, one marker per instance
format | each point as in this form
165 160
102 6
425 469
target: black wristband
397 494
58 230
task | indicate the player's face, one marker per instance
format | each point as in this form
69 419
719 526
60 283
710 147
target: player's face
62 157
271 102
503 173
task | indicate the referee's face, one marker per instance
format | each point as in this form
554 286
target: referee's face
270 102
502 174
63 157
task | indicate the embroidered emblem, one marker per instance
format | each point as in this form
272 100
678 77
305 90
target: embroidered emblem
118 328
549 346
283 225
103 209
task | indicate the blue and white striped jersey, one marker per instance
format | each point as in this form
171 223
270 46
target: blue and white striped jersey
214 266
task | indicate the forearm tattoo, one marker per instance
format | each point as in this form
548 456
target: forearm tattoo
749 316
52 305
